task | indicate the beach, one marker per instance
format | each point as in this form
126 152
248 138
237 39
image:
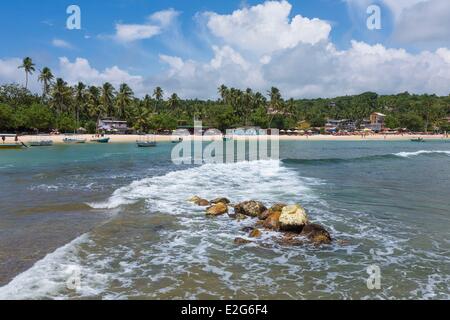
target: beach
57 139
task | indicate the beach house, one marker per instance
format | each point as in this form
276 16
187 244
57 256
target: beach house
376 122
111 125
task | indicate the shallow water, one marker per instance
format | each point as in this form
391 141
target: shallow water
116 217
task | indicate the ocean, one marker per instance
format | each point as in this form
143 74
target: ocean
112 222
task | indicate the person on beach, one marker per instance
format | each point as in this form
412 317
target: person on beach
16 138
3 139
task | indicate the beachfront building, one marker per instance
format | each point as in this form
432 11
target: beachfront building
111 125
376 122
333 125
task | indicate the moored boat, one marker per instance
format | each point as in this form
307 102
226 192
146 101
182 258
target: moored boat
418 140
11 145
41 143
101 140
74 140
146 141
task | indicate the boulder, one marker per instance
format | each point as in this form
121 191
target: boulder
250 208
255 233
202 203
247 229
316 233
278 207
199 201
217 209
273 221
264 215
218 200
290 239
241 241
293 218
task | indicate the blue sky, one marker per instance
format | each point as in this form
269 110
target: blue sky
198 37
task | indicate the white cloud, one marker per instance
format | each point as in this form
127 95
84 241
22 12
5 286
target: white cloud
425 22
155 25
266 27
81 70
133 32
59 43
10 73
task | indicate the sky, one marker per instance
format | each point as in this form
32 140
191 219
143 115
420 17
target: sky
306 48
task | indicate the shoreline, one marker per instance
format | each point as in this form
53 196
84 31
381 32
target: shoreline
165 138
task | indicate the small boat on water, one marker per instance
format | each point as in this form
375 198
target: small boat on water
418 140
146 142
74 140
11 145
41 141
101 140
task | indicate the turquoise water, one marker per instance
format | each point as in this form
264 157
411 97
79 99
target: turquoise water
116 217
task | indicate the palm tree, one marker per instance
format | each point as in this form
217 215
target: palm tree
61 95
158 93
46 77
107 98
223 92
95 108
28 66
80 99
275 103
173 102
123 99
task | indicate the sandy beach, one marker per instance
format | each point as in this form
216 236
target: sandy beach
58 139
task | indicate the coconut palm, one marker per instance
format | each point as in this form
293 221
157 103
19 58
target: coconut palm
46 77
28 67
173 102
80 100
223 92
158 93
124 99
61 95
107 98
275 103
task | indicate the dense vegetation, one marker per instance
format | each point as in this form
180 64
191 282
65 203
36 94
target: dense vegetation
67 108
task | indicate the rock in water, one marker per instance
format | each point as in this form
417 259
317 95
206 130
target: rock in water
202 203
273 221
217 209
278 207
293 218
275 208
199 201
218 200
316 233
255 233
241 241
250 208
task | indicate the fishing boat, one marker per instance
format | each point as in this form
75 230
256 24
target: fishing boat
11 145
40 142
146 141
74 140
418 140
101 140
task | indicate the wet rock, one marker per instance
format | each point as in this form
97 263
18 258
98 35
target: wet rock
241 241
290 239
273 221
217 209
255 233
293 218
202 203
199 201
218 200
250 208
264 215
238 217
278 207
316 233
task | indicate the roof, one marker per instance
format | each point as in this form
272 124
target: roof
112 121
379 114
9 135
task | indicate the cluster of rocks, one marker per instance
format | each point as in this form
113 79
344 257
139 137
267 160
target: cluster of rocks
290 220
